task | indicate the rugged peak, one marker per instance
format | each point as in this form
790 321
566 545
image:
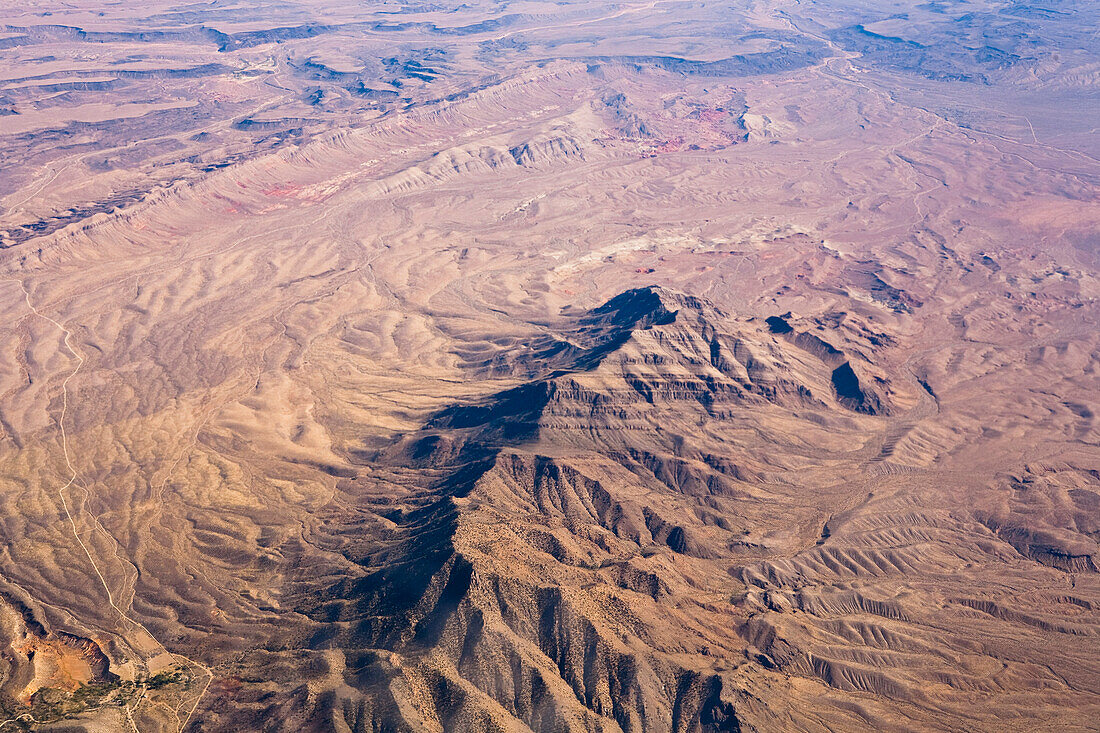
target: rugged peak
642 308
596 333
655 362
636 308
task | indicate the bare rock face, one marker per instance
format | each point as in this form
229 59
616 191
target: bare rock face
590 551
619 367
540 579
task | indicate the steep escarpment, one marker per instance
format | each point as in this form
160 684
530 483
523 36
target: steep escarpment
607 547
654 354
553 560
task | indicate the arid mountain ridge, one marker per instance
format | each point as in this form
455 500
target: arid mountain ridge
652 366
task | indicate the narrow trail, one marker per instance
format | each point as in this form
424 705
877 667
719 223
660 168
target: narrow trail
16 719
61 493
73 476
15 207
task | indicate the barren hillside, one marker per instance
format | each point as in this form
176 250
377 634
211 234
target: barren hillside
639 367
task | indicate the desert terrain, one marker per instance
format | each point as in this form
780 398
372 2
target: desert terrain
622 367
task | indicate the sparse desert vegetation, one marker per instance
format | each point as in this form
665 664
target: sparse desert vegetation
647 366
